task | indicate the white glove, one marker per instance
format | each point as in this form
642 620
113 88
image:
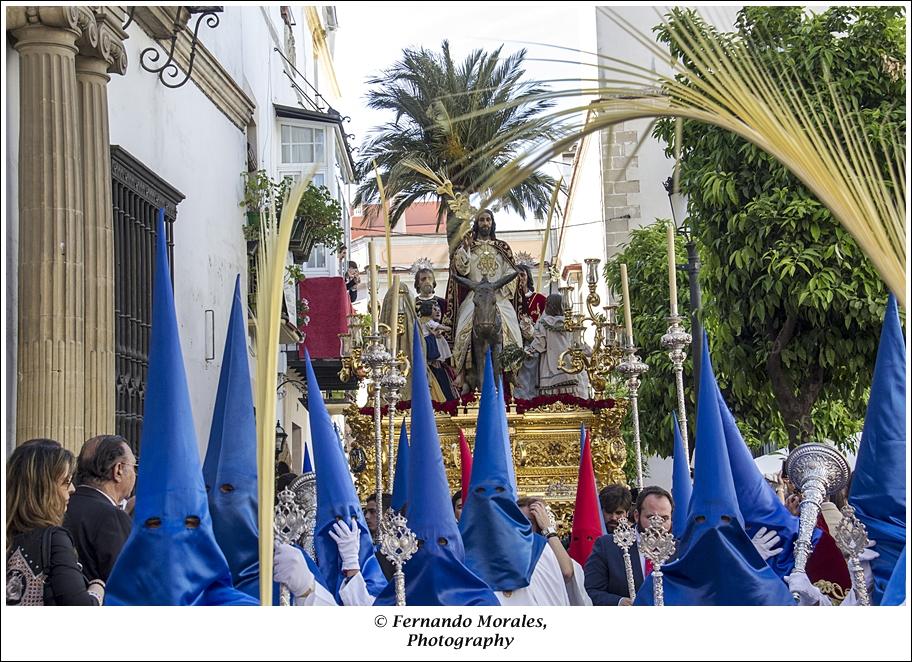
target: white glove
96 589
865 559
850 600
808 594
291 569
764 542
348 540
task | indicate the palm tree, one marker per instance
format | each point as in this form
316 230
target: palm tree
443 121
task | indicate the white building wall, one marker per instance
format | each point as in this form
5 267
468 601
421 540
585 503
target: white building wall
192 145
182 136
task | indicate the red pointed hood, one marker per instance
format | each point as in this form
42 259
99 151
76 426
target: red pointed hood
586 524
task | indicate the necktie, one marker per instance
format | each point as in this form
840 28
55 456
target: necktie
648 567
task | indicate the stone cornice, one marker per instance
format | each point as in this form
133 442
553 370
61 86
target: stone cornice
210 76
97 29
65 18
109 40
99 34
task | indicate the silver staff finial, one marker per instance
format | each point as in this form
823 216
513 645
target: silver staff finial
624 537
815 470
657 544
675 340
289 524
852 538
398 543
631 369
305 490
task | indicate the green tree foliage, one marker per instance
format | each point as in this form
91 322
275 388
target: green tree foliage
427 91
792 307
318 220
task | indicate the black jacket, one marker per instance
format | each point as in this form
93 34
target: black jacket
99 529
48 552
606 579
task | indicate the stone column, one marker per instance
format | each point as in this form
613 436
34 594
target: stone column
51 352
93 64
65 358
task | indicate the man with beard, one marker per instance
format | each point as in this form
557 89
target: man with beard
615 501
480 255
425 284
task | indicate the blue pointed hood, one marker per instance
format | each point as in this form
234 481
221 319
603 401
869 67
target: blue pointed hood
895 591
436 575
171 556
713 496
500 545
759 504
336 497
878 490
400 479
714 537
308 464
230 467
681 485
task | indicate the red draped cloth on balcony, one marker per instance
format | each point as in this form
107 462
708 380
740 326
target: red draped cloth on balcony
329 310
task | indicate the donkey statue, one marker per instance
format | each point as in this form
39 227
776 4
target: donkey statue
487 325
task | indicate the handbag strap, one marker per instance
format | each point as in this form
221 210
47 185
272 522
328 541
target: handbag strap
46 536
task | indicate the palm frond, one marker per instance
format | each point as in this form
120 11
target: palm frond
716 80
273 247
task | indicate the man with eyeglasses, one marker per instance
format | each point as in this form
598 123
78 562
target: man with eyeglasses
105 478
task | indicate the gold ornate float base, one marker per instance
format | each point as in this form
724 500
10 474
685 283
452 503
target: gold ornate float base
546 449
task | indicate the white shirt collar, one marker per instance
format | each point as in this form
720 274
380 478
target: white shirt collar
106 496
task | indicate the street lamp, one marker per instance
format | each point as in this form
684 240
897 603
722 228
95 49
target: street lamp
280 391
678 203
280 437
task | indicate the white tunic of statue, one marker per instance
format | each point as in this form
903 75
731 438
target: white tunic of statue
549 341
483 260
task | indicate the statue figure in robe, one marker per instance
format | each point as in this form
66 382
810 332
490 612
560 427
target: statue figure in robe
480 256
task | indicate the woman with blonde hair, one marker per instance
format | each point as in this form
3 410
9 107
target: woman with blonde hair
41 565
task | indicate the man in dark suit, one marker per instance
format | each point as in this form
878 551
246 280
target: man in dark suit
105 477
606 578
